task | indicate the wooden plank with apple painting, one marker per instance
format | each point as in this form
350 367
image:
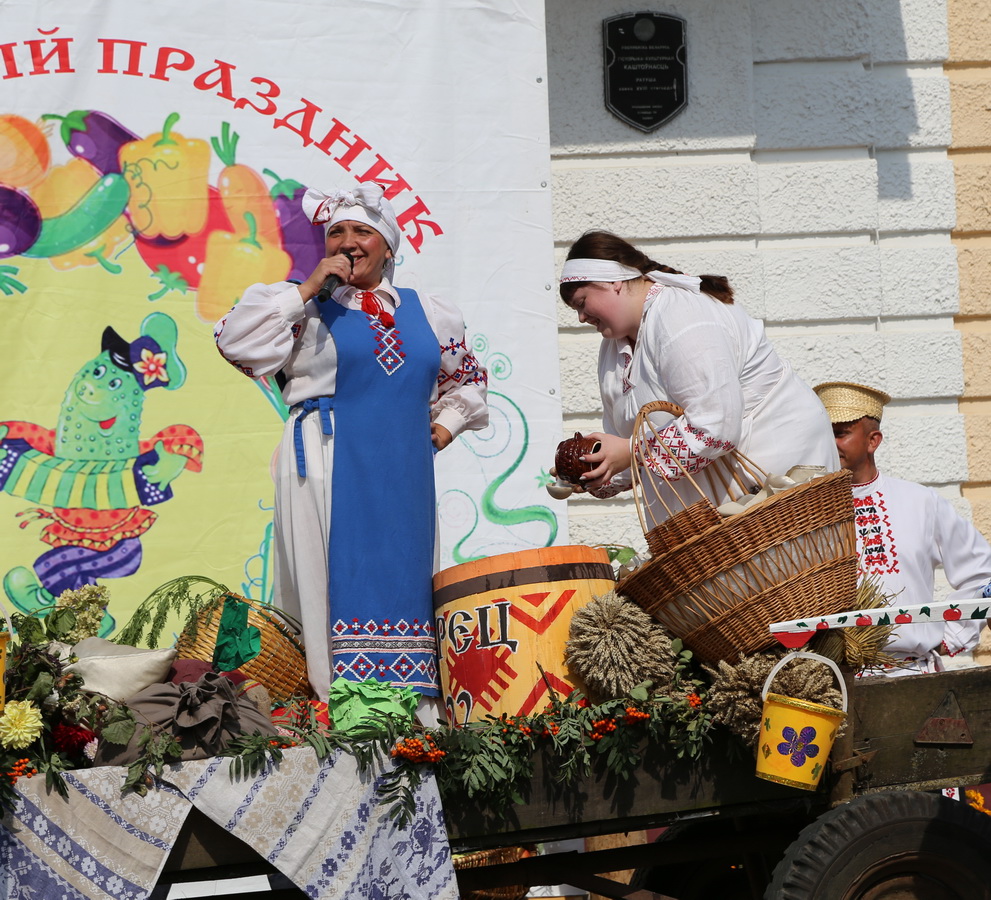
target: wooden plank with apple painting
797 632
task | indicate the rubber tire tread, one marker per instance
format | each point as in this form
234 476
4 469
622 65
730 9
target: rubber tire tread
834 848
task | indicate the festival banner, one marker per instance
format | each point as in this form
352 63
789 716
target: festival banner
151 161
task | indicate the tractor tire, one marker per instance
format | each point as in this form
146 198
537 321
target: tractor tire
895 845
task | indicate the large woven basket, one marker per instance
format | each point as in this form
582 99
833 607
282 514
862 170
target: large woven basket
489 858
792 555
281 664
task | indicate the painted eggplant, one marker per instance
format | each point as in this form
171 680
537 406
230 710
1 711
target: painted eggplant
20 222
301 239
95 137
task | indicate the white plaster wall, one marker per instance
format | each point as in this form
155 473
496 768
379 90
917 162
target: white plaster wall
810 166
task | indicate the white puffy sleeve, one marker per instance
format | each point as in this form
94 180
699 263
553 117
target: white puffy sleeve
462 382
258 334
696 350
966 559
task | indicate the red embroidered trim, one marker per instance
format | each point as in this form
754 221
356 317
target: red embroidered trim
664 464
875 540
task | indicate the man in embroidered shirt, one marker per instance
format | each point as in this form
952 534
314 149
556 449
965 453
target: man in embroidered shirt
904 531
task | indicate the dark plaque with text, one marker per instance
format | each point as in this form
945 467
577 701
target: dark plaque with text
645 70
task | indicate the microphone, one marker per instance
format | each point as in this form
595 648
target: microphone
333 282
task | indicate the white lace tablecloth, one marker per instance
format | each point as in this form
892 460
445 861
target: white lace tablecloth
319 823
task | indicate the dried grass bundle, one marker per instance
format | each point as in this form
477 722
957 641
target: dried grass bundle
863 647
735 696
614 646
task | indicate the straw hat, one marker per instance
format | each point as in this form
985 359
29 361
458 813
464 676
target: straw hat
848 402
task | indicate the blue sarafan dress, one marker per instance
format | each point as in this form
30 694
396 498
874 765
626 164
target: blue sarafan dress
381 545
355 520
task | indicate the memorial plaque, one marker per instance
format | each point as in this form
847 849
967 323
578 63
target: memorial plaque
646 77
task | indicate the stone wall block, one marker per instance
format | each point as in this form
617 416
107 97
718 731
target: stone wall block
910 110
973 180
918 281
969 30
579 373
928 449
979 449
839 29
656 201
815 283
915 193
976 371
970 96
816 196
799 105
974 263
908 31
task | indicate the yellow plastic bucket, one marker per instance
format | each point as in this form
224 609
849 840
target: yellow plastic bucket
797 735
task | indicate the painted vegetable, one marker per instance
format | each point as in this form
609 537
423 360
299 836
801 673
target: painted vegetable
233 263
167 174
301 239
178 265
20 222
61 188
244 191
94 136
24 153
93 214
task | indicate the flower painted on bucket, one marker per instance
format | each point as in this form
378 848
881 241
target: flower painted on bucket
798 745
20 724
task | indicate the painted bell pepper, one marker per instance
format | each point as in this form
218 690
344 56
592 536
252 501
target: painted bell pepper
61 190
178 265
244 191
233 263
168 176
24 152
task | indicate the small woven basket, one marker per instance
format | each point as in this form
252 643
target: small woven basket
281 664
792 555
490 858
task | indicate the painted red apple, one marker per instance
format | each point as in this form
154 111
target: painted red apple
822 626
952 614
903 618
864 620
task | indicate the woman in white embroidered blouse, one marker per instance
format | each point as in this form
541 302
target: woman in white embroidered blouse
669 336
378 379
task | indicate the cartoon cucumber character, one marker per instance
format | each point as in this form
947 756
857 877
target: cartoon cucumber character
93 477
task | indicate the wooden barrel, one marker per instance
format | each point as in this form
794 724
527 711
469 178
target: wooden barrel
498 617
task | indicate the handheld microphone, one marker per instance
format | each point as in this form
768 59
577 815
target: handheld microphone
333 282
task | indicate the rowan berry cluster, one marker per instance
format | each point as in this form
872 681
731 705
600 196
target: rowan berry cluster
602 727
550 730
634 715
694 700
20 768
416 750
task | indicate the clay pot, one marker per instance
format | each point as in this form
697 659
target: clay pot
567 460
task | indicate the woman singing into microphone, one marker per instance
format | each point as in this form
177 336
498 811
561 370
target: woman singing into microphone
378 379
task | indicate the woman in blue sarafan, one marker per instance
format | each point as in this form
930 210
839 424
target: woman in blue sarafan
378 379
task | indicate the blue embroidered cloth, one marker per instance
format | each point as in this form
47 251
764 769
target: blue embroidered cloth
319 823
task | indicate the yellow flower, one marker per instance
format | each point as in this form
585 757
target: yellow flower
20 724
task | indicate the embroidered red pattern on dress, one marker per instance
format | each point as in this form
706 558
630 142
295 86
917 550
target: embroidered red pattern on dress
875 542
466 373
665 464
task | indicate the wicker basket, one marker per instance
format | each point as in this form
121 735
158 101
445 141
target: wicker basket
281 664
792 555
490 858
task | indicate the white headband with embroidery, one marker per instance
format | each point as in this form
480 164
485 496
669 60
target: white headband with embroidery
610 270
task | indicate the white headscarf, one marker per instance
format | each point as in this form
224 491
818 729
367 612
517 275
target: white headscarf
609 270
365 203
